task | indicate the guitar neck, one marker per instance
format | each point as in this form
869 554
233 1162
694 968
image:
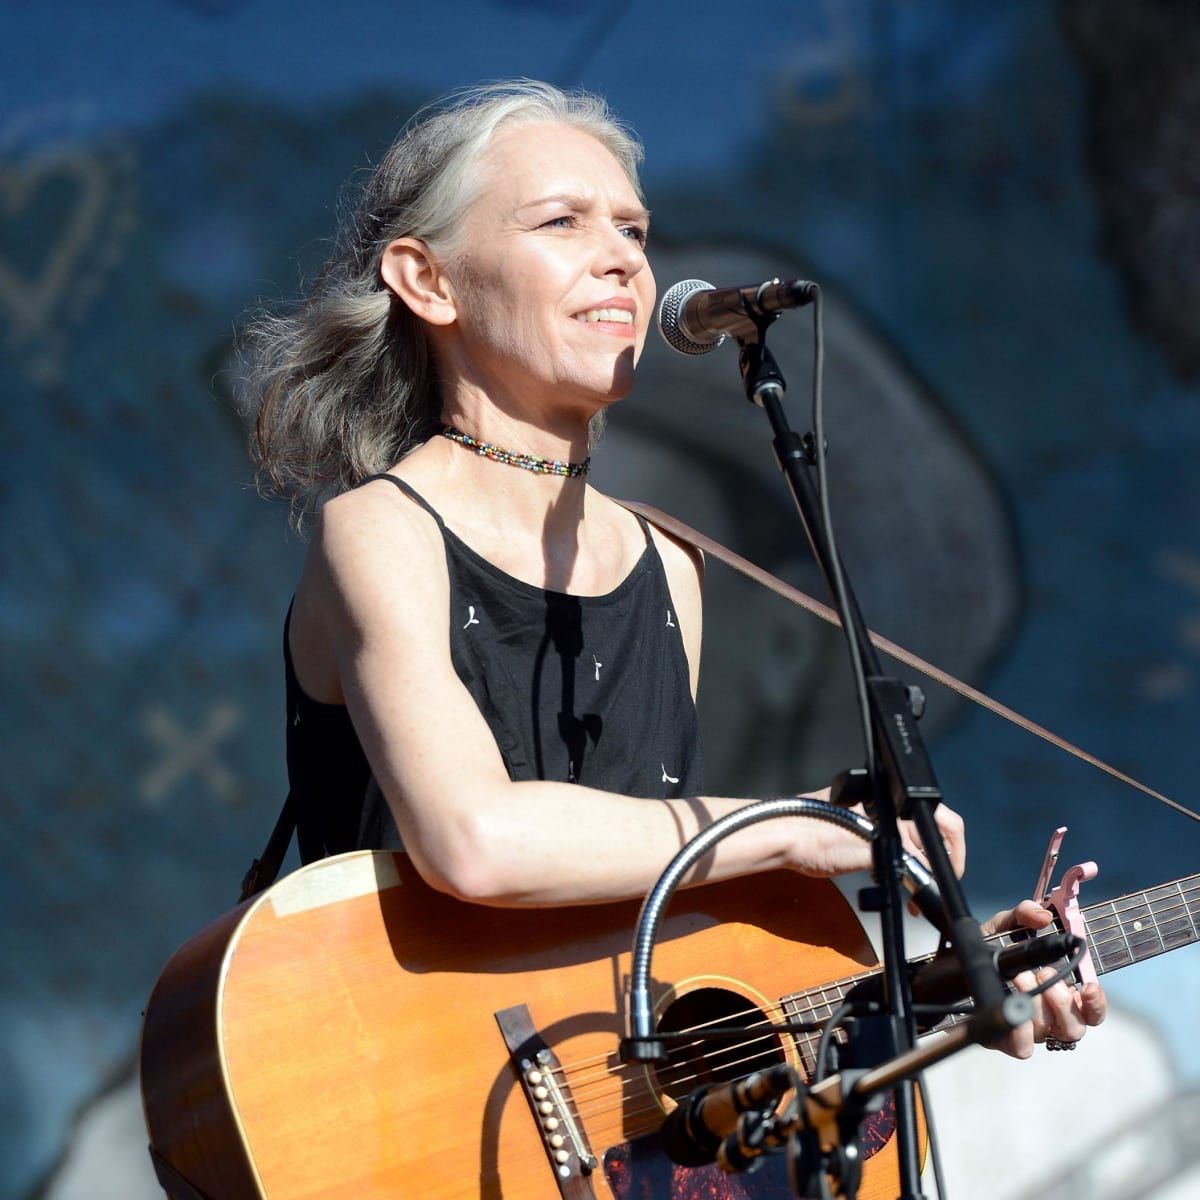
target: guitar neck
1142 925
1126 930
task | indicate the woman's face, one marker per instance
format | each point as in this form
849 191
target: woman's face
553 291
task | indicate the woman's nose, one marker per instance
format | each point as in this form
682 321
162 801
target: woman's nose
620 254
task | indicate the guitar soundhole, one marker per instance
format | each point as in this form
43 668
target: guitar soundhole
638 1170
700 1061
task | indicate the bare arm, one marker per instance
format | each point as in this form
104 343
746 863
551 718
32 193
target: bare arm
380 579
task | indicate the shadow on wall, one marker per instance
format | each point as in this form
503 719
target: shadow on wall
1139 64
921 525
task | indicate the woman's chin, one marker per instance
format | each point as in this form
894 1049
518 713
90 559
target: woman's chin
624 369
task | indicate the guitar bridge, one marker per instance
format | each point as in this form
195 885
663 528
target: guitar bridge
540 1075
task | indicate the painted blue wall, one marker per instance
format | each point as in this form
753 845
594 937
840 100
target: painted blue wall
165 163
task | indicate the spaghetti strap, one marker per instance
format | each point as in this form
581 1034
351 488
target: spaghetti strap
645 528
417 498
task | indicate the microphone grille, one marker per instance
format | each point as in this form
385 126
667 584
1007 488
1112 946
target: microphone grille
668 318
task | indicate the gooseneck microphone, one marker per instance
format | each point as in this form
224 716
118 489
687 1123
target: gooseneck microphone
692 1134
694 316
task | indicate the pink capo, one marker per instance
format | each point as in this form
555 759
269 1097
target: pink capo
1064 899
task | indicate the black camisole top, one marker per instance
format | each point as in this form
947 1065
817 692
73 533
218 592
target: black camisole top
585 689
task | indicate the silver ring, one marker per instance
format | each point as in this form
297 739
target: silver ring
1053 1043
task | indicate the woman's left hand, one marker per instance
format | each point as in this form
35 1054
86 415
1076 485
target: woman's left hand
1062 1013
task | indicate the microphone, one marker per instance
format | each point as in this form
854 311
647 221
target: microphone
694 316
692 1134
941 980
922 891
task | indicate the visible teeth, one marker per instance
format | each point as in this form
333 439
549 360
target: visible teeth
618 315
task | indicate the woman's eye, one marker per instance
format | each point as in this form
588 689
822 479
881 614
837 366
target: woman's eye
560 222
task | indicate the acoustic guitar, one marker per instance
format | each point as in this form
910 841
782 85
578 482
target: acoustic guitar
352 1033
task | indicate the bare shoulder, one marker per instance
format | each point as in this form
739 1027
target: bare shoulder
369 546
376 518
683 563
682 560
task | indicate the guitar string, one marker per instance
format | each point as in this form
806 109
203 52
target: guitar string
632 1120
1147 934
1180 900
580 1080
807 1003
650 1106
587 1074
649 1091
570 1075
1167 904
625 1127
1125 904
577 1071
1143 900
806 1045
647 1097
581 1068
596 1069
1157 912
1165 913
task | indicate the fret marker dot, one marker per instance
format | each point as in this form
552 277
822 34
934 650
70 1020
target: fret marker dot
1137 925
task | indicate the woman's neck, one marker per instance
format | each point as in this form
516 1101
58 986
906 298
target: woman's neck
560 436
502 495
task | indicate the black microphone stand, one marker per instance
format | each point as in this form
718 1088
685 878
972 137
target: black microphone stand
901 779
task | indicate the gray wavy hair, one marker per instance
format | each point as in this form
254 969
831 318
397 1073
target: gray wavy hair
344 385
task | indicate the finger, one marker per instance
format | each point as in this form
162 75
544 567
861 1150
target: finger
1027 915
1039 1024
1062 1010
1093 1003
950 826
1020 1042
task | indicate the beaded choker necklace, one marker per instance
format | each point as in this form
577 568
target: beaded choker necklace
527 462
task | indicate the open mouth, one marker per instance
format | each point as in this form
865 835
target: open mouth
609 316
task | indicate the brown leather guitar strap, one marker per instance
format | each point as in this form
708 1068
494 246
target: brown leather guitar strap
177 1186
692 537
264 870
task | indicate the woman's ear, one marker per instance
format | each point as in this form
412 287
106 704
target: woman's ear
412 273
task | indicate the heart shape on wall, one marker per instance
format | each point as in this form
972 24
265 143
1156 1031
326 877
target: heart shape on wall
66 213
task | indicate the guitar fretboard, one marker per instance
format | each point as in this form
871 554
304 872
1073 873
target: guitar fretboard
1143 924
1119 932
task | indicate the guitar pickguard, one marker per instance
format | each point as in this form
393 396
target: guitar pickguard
639 1170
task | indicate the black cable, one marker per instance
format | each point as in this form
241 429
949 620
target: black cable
836 1018
953 1010
935 1152
1068 968
837 582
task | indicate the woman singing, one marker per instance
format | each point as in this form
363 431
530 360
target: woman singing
488 661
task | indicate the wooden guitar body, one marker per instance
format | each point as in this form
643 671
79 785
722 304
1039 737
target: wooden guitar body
336 1037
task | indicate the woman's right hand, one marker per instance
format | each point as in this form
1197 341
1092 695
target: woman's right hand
823 849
